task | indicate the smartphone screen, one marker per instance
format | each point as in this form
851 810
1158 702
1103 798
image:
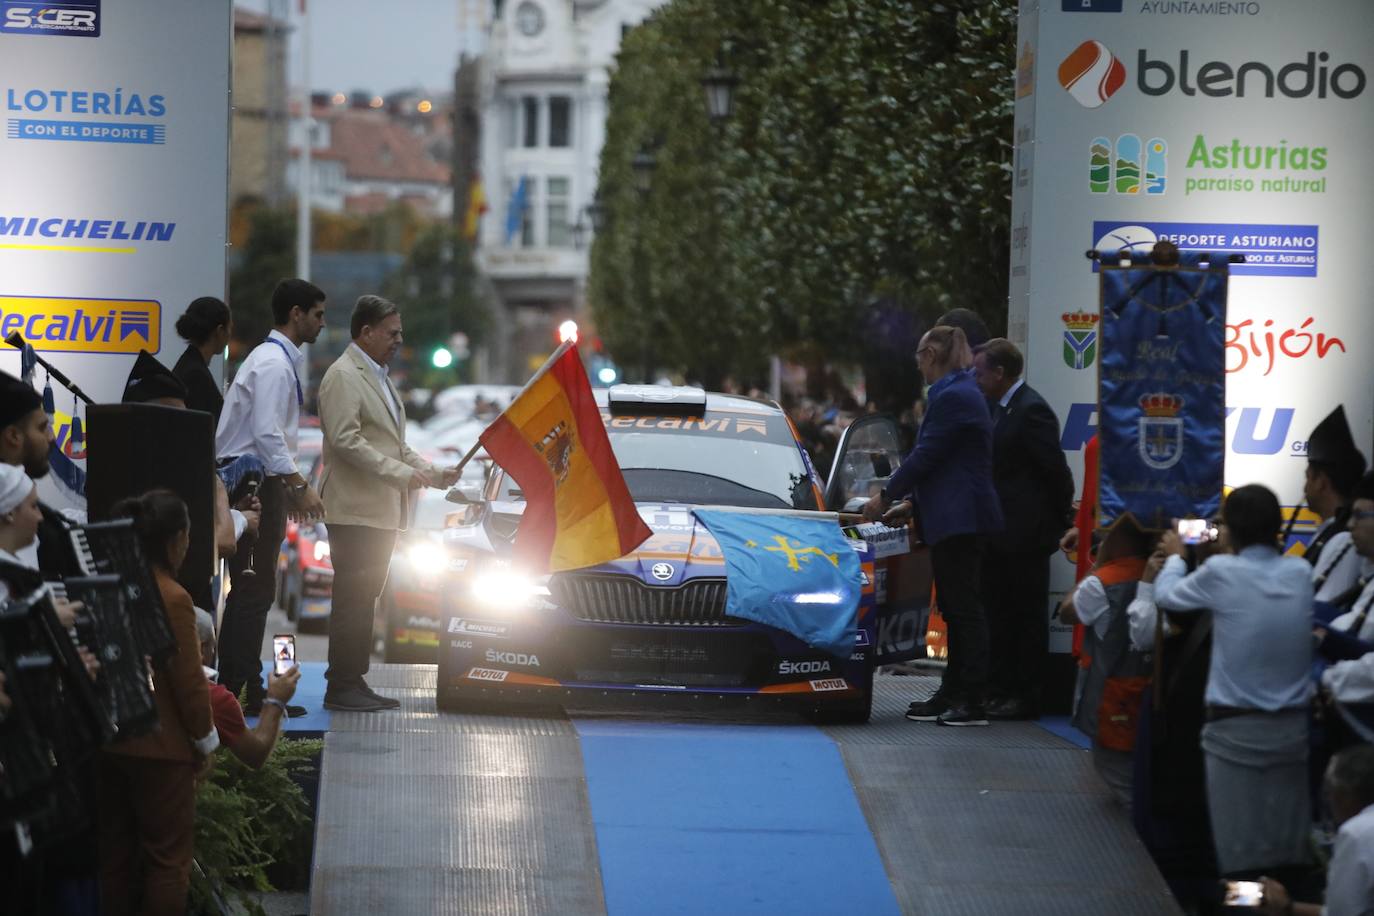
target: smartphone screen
1195 530
283 652
1243 893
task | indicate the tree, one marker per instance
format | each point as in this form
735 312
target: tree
436 289
268 256
866 169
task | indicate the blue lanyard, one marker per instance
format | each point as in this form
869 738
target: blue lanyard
300 396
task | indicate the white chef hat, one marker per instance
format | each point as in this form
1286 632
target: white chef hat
15 487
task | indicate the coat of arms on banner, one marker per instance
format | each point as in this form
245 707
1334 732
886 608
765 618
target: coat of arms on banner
1080 339
1160 436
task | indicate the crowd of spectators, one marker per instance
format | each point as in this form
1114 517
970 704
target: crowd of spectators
113 832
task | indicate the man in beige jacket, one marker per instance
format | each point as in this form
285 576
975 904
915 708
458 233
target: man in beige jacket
369 472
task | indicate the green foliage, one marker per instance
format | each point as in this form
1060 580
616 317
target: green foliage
268 256
249 821
436 288
868 158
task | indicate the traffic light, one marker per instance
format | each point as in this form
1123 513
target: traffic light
441 358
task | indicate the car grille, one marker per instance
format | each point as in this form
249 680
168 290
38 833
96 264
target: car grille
624 599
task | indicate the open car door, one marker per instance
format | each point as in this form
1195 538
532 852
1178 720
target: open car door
869 451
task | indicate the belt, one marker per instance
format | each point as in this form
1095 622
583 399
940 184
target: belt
1217 713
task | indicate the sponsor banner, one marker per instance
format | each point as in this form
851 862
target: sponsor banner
73 19
113 211
885 541
1193 120
83 325
1270 250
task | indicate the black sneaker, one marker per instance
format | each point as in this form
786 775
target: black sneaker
929 710
963 715
351 700
387 702
292 712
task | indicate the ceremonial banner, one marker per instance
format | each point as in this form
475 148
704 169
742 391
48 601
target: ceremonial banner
552 441
797 574
1162 393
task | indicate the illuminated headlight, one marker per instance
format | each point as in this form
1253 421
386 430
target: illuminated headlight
321 551
425 557
502 586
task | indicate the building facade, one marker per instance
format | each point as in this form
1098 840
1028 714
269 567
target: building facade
543 99
257 165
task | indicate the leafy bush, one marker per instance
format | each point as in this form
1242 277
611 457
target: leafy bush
251 821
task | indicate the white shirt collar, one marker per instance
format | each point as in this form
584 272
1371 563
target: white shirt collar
377 368
15 559
297 357
1006 398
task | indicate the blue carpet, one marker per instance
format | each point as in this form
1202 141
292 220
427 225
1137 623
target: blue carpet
728 819
1059 725
310 694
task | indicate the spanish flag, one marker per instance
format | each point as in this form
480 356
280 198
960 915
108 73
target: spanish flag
551 439
477 205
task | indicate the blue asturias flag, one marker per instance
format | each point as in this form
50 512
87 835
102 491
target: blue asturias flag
515 213
797 574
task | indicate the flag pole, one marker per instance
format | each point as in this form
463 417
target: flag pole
564 347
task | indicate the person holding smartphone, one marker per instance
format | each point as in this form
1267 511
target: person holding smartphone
1259 686
251 745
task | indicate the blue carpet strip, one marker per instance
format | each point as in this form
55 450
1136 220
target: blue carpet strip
728 819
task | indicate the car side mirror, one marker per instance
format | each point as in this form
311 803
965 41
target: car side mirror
465 492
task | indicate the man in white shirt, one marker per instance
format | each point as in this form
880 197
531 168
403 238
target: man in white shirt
261 417
1350 876
1352 681
1334 465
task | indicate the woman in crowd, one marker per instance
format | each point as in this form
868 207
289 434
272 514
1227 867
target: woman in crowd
205 326
1258 687
148 783
950 472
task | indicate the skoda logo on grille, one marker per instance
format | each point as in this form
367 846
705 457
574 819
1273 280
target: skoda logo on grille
662 571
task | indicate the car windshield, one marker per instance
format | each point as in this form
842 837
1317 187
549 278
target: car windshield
728 458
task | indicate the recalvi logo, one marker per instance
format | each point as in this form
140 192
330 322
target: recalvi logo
1311 76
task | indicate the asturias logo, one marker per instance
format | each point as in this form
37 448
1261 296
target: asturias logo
1091 74
1128 166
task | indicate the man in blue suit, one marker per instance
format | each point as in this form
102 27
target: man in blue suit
950 473
1035 487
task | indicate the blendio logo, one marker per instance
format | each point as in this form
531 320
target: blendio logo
1298 80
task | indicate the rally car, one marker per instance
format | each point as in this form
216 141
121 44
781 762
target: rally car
652 625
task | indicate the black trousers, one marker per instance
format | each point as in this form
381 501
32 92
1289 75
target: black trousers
957 566
362 558
1016 588
250 597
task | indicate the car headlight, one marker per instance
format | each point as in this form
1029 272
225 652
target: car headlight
321 551
502 586
425 557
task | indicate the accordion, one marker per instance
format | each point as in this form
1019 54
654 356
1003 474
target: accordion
56 717
112 548
124 685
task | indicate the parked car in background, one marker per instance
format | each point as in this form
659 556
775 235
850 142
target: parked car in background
407 624
305 574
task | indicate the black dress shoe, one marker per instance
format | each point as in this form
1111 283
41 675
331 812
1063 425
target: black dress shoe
388 702
351 700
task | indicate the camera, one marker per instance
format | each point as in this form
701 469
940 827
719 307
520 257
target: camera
1195 530
283 653
1242 893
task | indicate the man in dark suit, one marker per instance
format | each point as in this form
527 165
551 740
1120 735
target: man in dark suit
1035 487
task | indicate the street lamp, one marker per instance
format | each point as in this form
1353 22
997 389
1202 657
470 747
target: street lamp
643 165
579 232
719 84
598 214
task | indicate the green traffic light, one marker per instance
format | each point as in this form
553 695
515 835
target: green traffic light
441 358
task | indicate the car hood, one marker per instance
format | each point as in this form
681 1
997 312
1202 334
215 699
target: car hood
680 548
